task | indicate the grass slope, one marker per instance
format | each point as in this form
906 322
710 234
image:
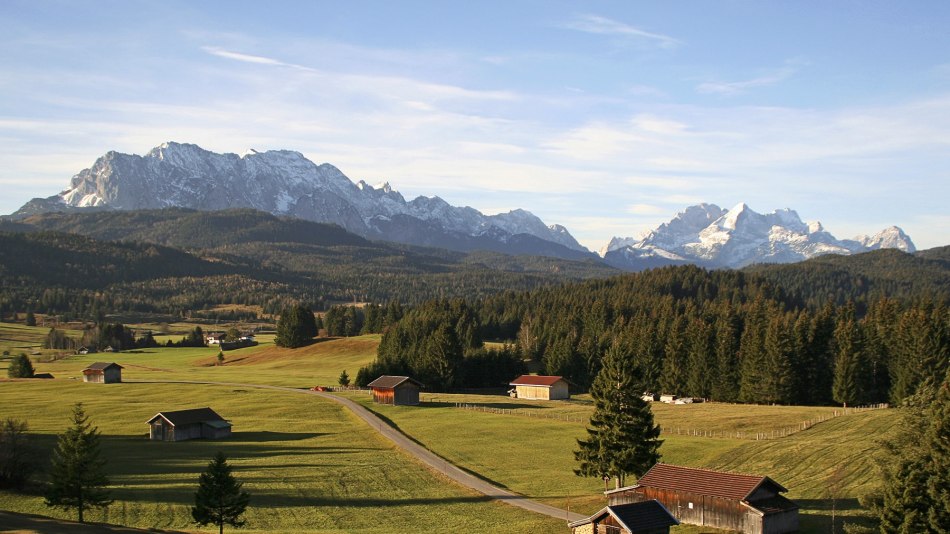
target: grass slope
534 455
309 465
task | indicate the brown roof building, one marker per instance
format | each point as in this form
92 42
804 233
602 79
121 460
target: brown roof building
102 373
396 390
180 425
647 517
541 387
745 503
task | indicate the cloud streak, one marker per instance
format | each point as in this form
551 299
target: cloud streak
740 87
599 25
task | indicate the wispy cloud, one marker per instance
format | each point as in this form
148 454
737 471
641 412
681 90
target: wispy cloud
599 25
248 58
789 69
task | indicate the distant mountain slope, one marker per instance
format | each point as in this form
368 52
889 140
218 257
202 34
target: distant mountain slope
710 236
283 182
864 277
246 257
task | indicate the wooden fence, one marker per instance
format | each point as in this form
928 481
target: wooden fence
693 432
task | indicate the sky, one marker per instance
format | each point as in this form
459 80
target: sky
606 117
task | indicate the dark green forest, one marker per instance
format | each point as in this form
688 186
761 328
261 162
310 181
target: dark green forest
721 335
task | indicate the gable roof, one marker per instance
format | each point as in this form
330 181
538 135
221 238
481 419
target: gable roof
389 382
101 366
187 417
704 481
634 517
534 380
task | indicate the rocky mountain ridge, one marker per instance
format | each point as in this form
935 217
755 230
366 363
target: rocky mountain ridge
283 182
713 237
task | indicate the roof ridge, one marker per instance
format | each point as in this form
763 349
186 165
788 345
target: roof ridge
709 470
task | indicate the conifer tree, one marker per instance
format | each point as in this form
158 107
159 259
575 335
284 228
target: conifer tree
77 469
20 367
622 437
295 327
219 500
849 369
344 379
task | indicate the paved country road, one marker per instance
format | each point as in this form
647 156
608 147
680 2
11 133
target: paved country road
416 450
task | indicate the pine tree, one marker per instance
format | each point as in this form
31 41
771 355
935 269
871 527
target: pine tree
20 367
344 379
77 470
916 467
219 499
849 369
622 438
296 327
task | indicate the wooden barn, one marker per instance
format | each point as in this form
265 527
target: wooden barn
102 373
728 501
188 424
396 390
541 387
646 517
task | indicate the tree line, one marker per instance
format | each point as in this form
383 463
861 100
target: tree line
720 335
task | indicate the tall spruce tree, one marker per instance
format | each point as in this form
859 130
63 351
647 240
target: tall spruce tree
219 500
77 469
916 467
847 386
622 438
20 366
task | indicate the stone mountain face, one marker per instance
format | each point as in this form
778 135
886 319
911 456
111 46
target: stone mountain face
284 182
713 237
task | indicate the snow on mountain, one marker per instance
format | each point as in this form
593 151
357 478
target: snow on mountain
284 182
708 235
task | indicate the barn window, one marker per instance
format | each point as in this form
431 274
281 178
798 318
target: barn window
690 506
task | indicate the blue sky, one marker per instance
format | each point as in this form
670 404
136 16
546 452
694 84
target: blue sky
606 117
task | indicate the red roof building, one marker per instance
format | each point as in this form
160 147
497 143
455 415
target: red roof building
541 387
745 503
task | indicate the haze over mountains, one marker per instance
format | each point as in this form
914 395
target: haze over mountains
286 183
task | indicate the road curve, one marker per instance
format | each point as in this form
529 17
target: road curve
416 450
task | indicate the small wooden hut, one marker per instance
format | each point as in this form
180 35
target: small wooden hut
729 501
647 517
180 425
102 373
396 390
541 387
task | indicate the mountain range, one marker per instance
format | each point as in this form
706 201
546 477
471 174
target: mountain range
713 237
285 183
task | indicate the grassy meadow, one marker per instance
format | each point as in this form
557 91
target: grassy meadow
309 465
312 467
534 455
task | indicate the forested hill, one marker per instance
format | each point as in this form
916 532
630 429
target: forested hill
238 257
863 278
722 335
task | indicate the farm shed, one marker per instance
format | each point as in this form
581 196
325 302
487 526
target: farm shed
729 501
102 373
647 517
188 424
541 387
396 390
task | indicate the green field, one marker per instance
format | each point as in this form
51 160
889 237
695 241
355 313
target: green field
311 465
533 455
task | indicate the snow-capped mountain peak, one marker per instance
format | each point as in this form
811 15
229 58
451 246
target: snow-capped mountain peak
285 182
706 235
